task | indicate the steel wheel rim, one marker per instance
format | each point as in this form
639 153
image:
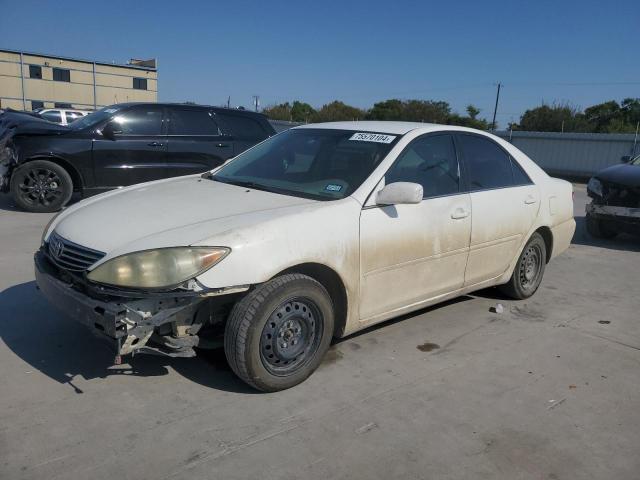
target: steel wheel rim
40 186
291 336
530 266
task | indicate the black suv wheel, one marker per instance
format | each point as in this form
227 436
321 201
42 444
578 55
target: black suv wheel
41 186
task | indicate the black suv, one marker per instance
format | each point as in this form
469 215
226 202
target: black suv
42 163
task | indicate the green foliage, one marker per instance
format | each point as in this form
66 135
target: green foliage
337 111
301 112
607 117
410 111
281 111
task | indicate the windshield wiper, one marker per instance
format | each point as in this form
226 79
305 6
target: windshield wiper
250 184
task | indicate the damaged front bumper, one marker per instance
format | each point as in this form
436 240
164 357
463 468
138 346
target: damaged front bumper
162 323
622 219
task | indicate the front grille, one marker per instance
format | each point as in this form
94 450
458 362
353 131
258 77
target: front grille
71 256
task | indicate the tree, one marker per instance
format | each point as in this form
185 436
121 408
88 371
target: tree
337 111
472 111
301 112
411 111
281 111
553 118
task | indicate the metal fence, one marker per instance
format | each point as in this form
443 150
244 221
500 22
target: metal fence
571 154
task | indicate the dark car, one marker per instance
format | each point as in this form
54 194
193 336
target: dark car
42 163
615 207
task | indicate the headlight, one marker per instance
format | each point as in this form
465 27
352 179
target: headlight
164 267
595 186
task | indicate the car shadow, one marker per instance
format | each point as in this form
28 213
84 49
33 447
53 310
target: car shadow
65 350
623 241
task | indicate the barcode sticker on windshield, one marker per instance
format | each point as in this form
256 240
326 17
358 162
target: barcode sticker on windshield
373 137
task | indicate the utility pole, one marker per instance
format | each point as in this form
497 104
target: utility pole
256 101
495 110
229 101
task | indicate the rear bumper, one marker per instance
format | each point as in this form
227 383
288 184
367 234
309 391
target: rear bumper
562 235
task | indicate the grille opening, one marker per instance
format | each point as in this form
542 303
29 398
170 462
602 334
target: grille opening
71 256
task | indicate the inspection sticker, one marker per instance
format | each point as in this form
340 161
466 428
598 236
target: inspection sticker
332 187
373 137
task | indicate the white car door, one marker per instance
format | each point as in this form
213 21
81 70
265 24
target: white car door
505 204
411 253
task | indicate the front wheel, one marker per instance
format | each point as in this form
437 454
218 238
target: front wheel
41 186
277 335
529 270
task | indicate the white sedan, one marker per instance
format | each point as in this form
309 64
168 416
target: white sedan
316 233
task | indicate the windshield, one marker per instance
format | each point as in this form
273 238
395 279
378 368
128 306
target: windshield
317 163
93 118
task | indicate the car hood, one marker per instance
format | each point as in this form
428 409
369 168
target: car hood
21 123
624 174
171 212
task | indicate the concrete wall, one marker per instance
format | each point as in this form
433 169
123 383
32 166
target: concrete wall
113 83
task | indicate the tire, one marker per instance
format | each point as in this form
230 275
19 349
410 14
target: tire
529 270
41 186
277 335
598 229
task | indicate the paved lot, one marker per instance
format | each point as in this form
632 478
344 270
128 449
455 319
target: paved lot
545 390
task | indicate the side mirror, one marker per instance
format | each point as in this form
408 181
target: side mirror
109 131
398 193
625 158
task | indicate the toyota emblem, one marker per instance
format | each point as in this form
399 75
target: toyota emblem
56 247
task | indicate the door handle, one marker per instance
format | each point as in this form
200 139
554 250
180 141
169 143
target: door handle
530 199
460 213
155 144
222 145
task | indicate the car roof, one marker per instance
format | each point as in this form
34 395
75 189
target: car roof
193 105
398 128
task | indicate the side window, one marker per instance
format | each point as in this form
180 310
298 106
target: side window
139 121
487 165
192 122
520 177
430 161
52 116
243 127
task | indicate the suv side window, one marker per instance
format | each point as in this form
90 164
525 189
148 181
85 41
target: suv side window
53 116
487 165
242 127
145 120
430 161
192 122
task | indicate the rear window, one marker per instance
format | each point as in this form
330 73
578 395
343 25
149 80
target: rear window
242 127
52 116
192 122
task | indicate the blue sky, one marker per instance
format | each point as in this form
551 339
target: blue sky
582 52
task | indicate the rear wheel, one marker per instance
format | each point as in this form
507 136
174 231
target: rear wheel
597 228
277 335
41 186
529 270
